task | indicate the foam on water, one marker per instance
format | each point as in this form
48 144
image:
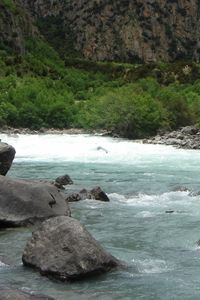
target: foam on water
145 214
153 205
85 148
3 265
152 266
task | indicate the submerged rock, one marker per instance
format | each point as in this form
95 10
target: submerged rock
24 202
7 154
63 180
15 294
181 188
194 194
96 194
73 197
62 248
5 261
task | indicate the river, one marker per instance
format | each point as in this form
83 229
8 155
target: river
141 180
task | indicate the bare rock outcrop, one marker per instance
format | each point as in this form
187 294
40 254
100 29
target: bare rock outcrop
131 30
15 26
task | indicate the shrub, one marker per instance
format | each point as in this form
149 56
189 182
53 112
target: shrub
125 112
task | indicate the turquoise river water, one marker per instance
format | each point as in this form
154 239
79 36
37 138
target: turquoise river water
141 180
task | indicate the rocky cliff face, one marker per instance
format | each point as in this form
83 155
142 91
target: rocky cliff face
15 24
121 30
130 30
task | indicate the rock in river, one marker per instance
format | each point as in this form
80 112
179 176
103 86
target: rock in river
62 248
98 194
15 294
63 180
7 154
95 194
23 202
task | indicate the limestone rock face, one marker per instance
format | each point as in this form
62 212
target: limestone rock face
123 30
7 154
23 202
62 248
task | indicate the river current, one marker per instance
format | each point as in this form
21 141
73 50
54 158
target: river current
143 183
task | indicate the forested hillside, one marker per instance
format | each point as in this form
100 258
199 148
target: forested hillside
47 80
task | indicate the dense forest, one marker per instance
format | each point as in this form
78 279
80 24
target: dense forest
40 87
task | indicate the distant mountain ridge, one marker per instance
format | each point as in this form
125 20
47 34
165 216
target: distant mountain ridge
120 30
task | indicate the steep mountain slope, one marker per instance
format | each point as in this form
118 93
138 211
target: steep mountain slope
15 25
121 30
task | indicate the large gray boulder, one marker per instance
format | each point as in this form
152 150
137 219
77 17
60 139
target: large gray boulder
62 248
24 202
7 154
15 294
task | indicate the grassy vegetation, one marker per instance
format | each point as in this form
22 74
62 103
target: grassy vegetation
42 90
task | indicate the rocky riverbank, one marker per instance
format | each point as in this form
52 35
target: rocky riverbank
186 138
16 131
